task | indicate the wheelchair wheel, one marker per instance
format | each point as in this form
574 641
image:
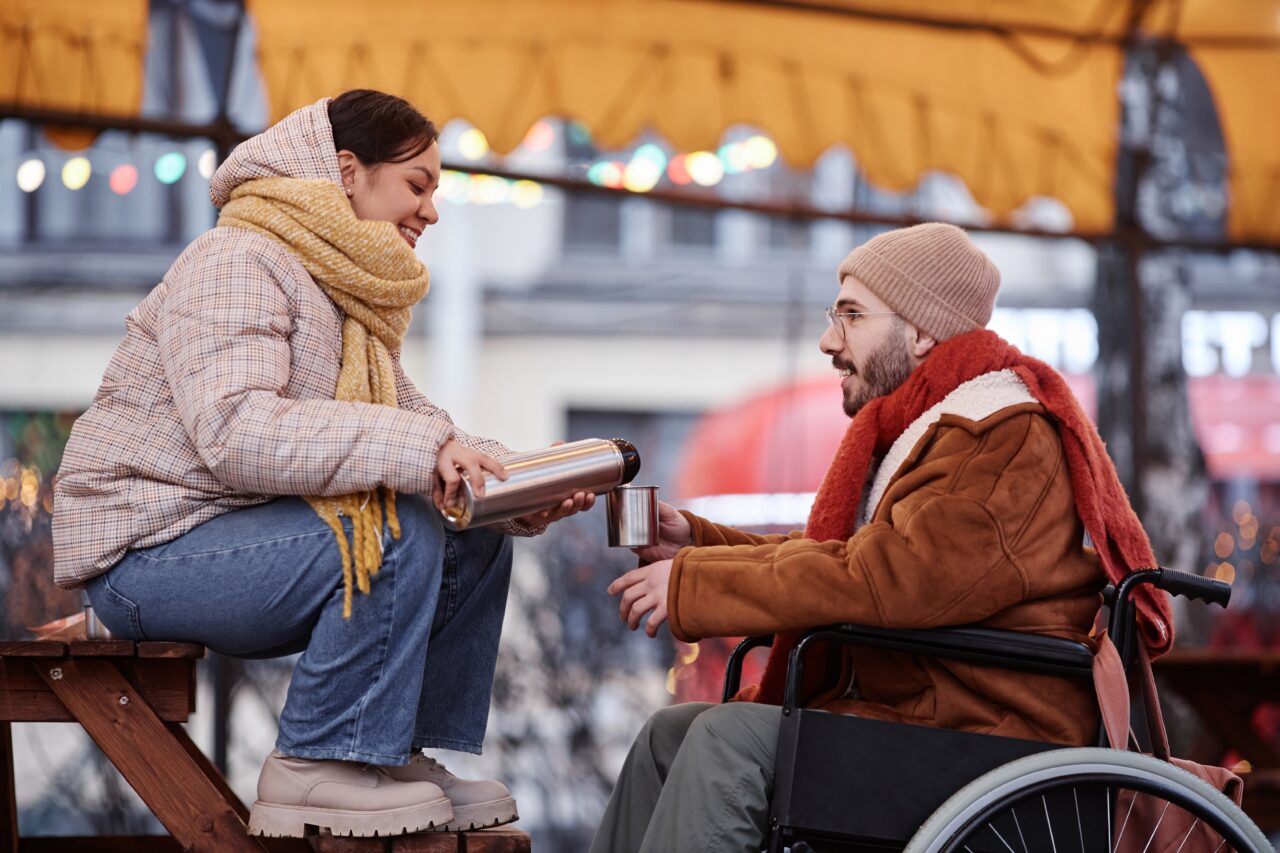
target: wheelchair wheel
1066 800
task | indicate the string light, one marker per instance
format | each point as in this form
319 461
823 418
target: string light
539 137
207 163
704 168
761 152
641 175
170 167
472 144
526 194
123 179
677 172
75 172
31 175
606 173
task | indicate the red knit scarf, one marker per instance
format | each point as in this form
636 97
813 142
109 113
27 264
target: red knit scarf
1100 500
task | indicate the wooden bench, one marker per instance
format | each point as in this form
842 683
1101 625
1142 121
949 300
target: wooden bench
132 699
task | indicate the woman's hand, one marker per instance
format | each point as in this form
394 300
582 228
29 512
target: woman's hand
644 590
453 461
580 502
674 533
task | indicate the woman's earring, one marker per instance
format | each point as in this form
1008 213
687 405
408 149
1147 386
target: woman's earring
350 192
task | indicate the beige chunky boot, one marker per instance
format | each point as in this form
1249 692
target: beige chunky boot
343 797
476 803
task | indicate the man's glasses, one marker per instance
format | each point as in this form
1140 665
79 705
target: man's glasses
833 317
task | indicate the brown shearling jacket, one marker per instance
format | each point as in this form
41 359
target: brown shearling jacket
976 527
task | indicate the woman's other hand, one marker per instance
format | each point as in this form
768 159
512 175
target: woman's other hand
453 461
580 502
674 533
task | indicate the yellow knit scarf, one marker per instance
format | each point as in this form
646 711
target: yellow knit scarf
369 272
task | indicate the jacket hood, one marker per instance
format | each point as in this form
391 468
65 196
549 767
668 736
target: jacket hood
298 146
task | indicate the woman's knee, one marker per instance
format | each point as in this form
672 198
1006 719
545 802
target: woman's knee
421 527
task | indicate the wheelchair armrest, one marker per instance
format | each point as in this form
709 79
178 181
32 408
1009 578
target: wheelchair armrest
733 669
984 646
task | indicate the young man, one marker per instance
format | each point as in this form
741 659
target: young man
959 496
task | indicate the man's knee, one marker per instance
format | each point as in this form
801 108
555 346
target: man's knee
665 730
745 729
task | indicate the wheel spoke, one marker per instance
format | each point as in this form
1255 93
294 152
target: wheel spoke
1079 826
1014 811
1194 824
1156 829
1107 792
1125 824
1001 837
1049 823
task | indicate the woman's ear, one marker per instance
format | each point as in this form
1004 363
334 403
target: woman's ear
347 162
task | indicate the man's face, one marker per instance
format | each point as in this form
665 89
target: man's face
873 356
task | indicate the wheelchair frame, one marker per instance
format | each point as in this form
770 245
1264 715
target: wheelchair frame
816 748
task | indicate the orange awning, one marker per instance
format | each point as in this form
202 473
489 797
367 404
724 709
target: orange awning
1017 99
75 56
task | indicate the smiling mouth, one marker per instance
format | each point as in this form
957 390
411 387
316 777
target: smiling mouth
410 236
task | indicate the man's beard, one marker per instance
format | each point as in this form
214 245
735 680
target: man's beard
886 367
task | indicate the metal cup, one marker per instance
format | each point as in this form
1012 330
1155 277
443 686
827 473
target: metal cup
633 516
93 629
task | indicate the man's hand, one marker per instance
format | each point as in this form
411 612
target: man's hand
580 502
452 462
674 533
644 590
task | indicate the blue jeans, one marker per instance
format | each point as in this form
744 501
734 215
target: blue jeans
413 666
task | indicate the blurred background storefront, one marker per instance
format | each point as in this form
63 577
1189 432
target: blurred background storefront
598 275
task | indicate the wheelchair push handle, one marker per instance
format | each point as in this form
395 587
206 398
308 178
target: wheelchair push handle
1204 589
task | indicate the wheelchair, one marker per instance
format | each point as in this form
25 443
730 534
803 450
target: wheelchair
843 784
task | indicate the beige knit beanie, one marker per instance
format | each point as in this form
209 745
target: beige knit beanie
931 274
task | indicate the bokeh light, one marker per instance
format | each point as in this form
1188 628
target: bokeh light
472 144
526 194
170 167
705 168
734 158
1225 572
123 179
677 171
207 163
642 174
31 175
1224 545
76 172
761 152
539 137
606 173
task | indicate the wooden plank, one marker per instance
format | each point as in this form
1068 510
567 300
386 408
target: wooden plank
152 649
8 801
427 842
100 844
498 840
101 648
211 773
146 754
167 685
32 648
327 843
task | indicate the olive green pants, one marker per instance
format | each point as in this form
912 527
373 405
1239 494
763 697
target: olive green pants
698 779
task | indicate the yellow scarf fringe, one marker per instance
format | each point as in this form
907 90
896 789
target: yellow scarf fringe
369 272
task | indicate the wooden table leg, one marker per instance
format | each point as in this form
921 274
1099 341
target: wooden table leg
8 798
146 753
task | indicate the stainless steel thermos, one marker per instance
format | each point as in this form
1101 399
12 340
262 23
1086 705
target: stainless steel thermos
541 479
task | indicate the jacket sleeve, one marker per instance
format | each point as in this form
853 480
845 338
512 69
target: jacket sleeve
224 344
942 559
709 533
411 399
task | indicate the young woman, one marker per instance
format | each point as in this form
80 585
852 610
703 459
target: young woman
257 474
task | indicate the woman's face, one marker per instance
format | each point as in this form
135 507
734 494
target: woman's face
399 193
